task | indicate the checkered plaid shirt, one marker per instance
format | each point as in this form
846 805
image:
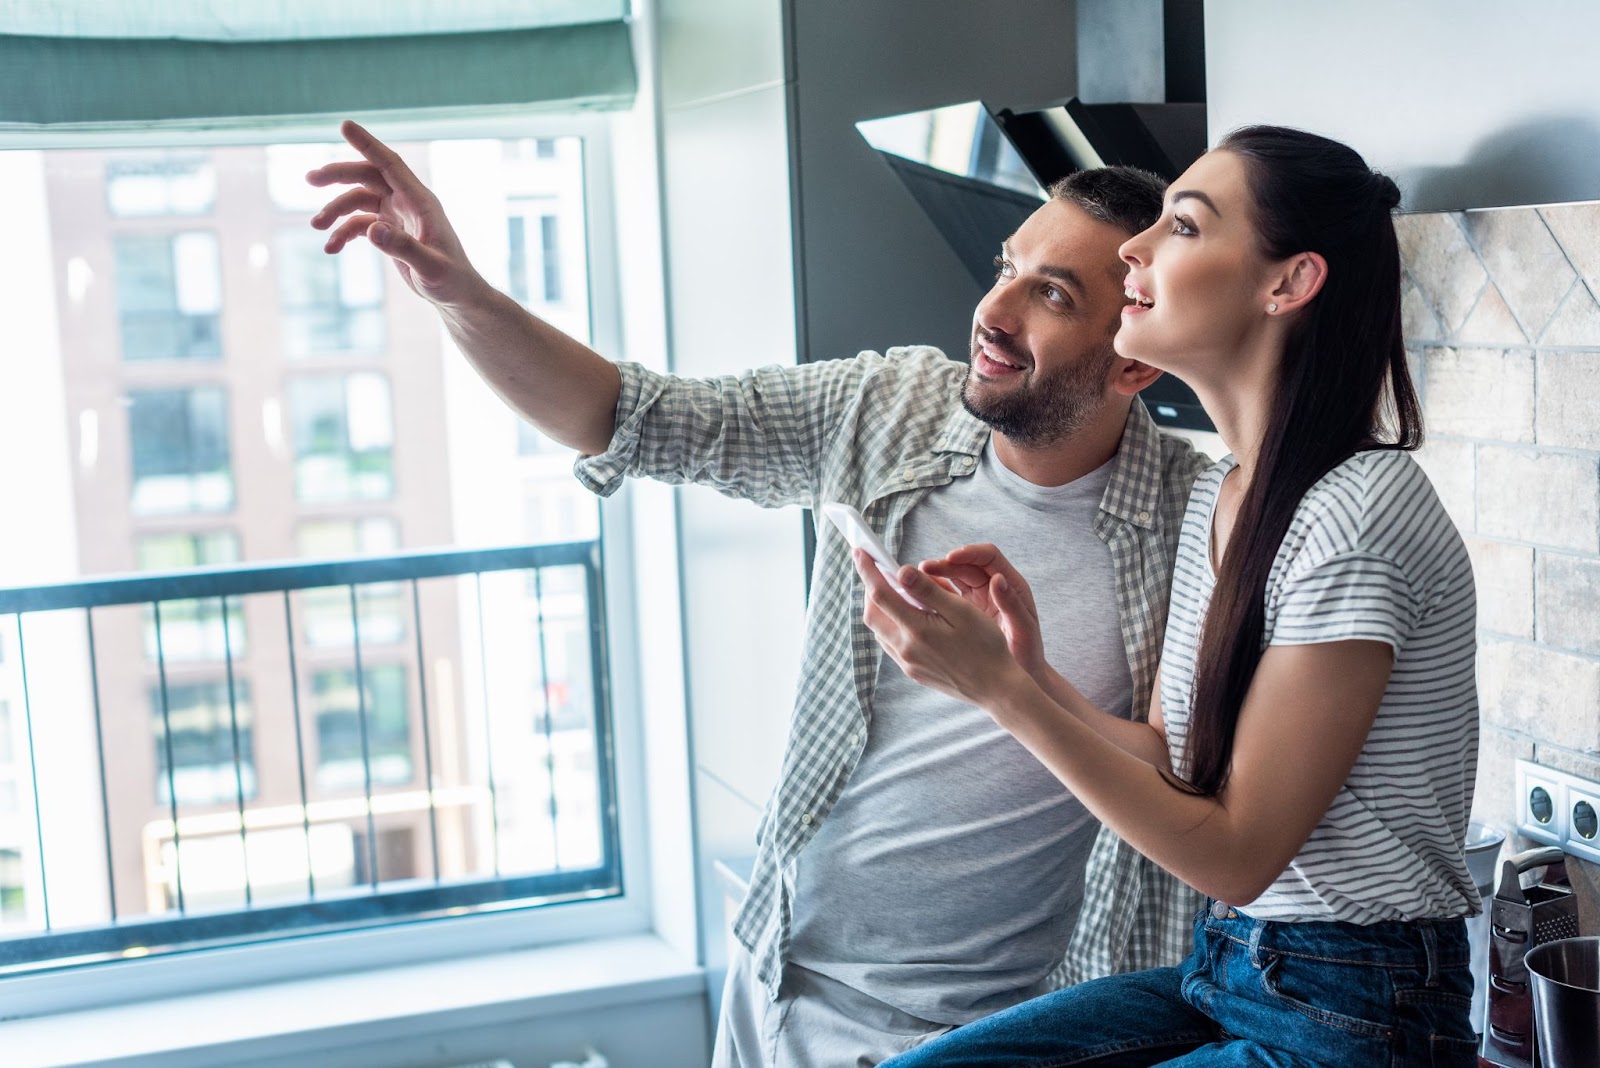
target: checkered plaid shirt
879 432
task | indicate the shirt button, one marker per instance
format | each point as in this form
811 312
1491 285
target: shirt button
855 739
1144 517
806 819
908 475
1220 909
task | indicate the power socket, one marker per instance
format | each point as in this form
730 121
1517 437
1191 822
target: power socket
1559 809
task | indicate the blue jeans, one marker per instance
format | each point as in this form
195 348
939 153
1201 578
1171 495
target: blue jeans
1253 992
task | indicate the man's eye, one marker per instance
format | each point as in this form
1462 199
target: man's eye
1052 293
1002 268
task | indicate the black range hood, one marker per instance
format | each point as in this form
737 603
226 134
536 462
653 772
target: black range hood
978 174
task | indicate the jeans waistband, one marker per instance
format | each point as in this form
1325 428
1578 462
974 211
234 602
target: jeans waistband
1426 945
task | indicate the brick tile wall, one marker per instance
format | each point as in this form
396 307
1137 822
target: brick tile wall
1502 317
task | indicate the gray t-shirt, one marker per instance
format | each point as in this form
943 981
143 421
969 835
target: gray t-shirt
947 878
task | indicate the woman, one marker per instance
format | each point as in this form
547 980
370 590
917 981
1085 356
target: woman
1309 757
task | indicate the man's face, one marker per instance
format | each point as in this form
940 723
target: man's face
1041 338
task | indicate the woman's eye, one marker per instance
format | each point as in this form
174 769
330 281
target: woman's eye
1183 227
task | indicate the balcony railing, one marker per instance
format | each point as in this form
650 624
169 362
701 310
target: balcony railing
288 749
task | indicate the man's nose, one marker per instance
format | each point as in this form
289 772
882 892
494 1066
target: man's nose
1000 309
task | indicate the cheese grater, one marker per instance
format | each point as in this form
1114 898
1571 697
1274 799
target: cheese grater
1520 919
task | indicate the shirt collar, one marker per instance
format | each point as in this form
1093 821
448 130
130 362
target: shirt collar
1135 486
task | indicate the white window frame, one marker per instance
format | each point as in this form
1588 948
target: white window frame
637 910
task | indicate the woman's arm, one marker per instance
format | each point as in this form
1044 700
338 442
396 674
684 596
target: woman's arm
1302 726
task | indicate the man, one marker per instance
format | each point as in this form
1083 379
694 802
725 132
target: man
916 867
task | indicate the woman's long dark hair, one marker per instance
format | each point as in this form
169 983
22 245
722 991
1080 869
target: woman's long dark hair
1309 194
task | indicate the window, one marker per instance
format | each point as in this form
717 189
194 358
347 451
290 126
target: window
12 902
380 605
343 438
203 723
264 484
173 183
533 237
192 629
179 444
8 749
362 727
169 296
331 304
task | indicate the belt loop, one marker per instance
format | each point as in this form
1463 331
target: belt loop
1259 927
1430 945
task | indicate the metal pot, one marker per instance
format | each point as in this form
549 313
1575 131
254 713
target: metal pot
1565 976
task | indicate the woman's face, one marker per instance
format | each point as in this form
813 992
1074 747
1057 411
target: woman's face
1198 281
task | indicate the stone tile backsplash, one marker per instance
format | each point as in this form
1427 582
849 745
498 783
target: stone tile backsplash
1502 317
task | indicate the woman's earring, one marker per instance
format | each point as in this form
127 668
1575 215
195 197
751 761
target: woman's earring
1271 308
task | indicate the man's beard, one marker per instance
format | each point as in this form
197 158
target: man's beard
1048 409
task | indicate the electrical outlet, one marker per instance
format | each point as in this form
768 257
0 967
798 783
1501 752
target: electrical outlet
1583 823
1541 803
1559 809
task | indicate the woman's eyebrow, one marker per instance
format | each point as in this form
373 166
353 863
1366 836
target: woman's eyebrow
1194 194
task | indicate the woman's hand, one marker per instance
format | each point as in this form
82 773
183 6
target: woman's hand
954 647
988 581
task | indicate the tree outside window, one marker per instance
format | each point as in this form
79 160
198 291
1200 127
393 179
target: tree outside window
343 438
179 443
169 296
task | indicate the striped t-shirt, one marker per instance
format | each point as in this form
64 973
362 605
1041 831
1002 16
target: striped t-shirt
1370 554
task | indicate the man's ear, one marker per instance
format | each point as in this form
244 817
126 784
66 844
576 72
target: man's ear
1130 376
1299 278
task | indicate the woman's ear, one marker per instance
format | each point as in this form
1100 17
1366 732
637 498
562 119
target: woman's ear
1300 278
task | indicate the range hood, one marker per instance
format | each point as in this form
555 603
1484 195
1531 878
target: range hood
979 173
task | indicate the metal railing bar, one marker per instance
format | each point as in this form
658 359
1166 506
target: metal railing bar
488 724
33 774
429 901
238 755
100 753
237 579
544 691
427 734
600 680
172 766
299 745
366 751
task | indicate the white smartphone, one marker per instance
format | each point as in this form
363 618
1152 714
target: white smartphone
853 525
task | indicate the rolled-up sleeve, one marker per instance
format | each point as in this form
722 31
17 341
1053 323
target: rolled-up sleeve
641 389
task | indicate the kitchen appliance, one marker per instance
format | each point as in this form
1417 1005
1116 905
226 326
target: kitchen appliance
1521 919
1565 977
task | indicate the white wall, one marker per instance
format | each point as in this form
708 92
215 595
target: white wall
1467 103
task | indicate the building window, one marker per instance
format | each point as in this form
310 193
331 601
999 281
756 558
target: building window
202 723
13 906
170 184
380 605
179 443
533 236
343 438
192 629
8 749
329 303
169 296
339 705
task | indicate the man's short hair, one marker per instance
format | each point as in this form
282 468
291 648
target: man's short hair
1125 197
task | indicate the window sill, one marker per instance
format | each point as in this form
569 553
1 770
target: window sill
300 1017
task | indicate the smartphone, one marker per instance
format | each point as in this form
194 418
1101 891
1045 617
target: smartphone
854 527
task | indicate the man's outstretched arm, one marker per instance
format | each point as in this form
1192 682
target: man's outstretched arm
562 386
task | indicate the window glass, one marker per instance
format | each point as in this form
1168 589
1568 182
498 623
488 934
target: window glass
343 759
179 446
174 183
202 742
343 437
8 748
169 296
192 629
12 904
380 605
331 304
